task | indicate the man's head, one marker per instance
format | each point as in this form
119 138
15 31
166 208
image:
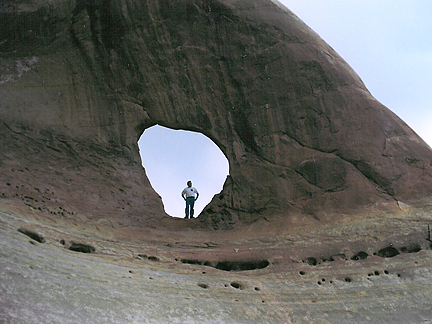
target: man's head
189 183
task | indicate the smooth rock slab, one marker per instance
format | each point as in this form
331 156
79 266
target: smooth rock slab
47 283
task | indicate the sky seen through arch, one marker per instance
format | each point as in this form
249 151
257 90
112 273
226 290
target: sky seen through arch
173 157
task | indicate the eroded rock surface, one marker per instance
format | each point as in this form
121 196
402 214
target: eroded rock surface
81 80
360 270
327 202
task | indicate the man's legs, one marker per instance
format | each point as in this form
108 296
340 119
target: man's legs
187 209
190 202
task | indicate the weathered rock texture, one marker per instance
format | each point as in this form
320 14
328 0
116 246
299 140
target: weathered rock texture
371 269
82 79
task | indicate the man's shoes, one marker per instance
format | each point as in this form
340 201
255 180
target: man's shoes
185 217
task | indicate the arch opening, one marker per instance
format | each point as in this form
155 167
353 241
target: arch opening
173 157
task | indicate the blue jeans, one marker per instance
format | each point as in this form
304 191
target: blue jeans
190 202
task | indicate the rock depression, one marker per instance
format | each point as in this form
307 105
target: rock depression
322 219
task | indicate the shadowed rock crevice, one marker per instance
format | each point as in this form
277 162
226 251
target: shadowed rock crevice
231 265
32 235
80 247
386 252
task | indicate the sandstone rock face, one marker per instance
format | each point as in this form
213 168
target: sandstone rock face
81 80
327 202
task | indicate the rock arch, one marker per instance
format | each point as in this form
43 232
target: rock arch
299 128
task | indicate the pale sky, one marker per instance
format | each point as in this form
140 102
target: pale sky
173 157
387 42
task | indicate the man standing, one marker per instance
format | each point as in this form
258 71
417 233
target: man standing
188 195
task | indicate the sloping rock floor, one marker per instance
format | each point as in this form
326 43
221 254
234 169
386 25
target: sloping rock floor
371 270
